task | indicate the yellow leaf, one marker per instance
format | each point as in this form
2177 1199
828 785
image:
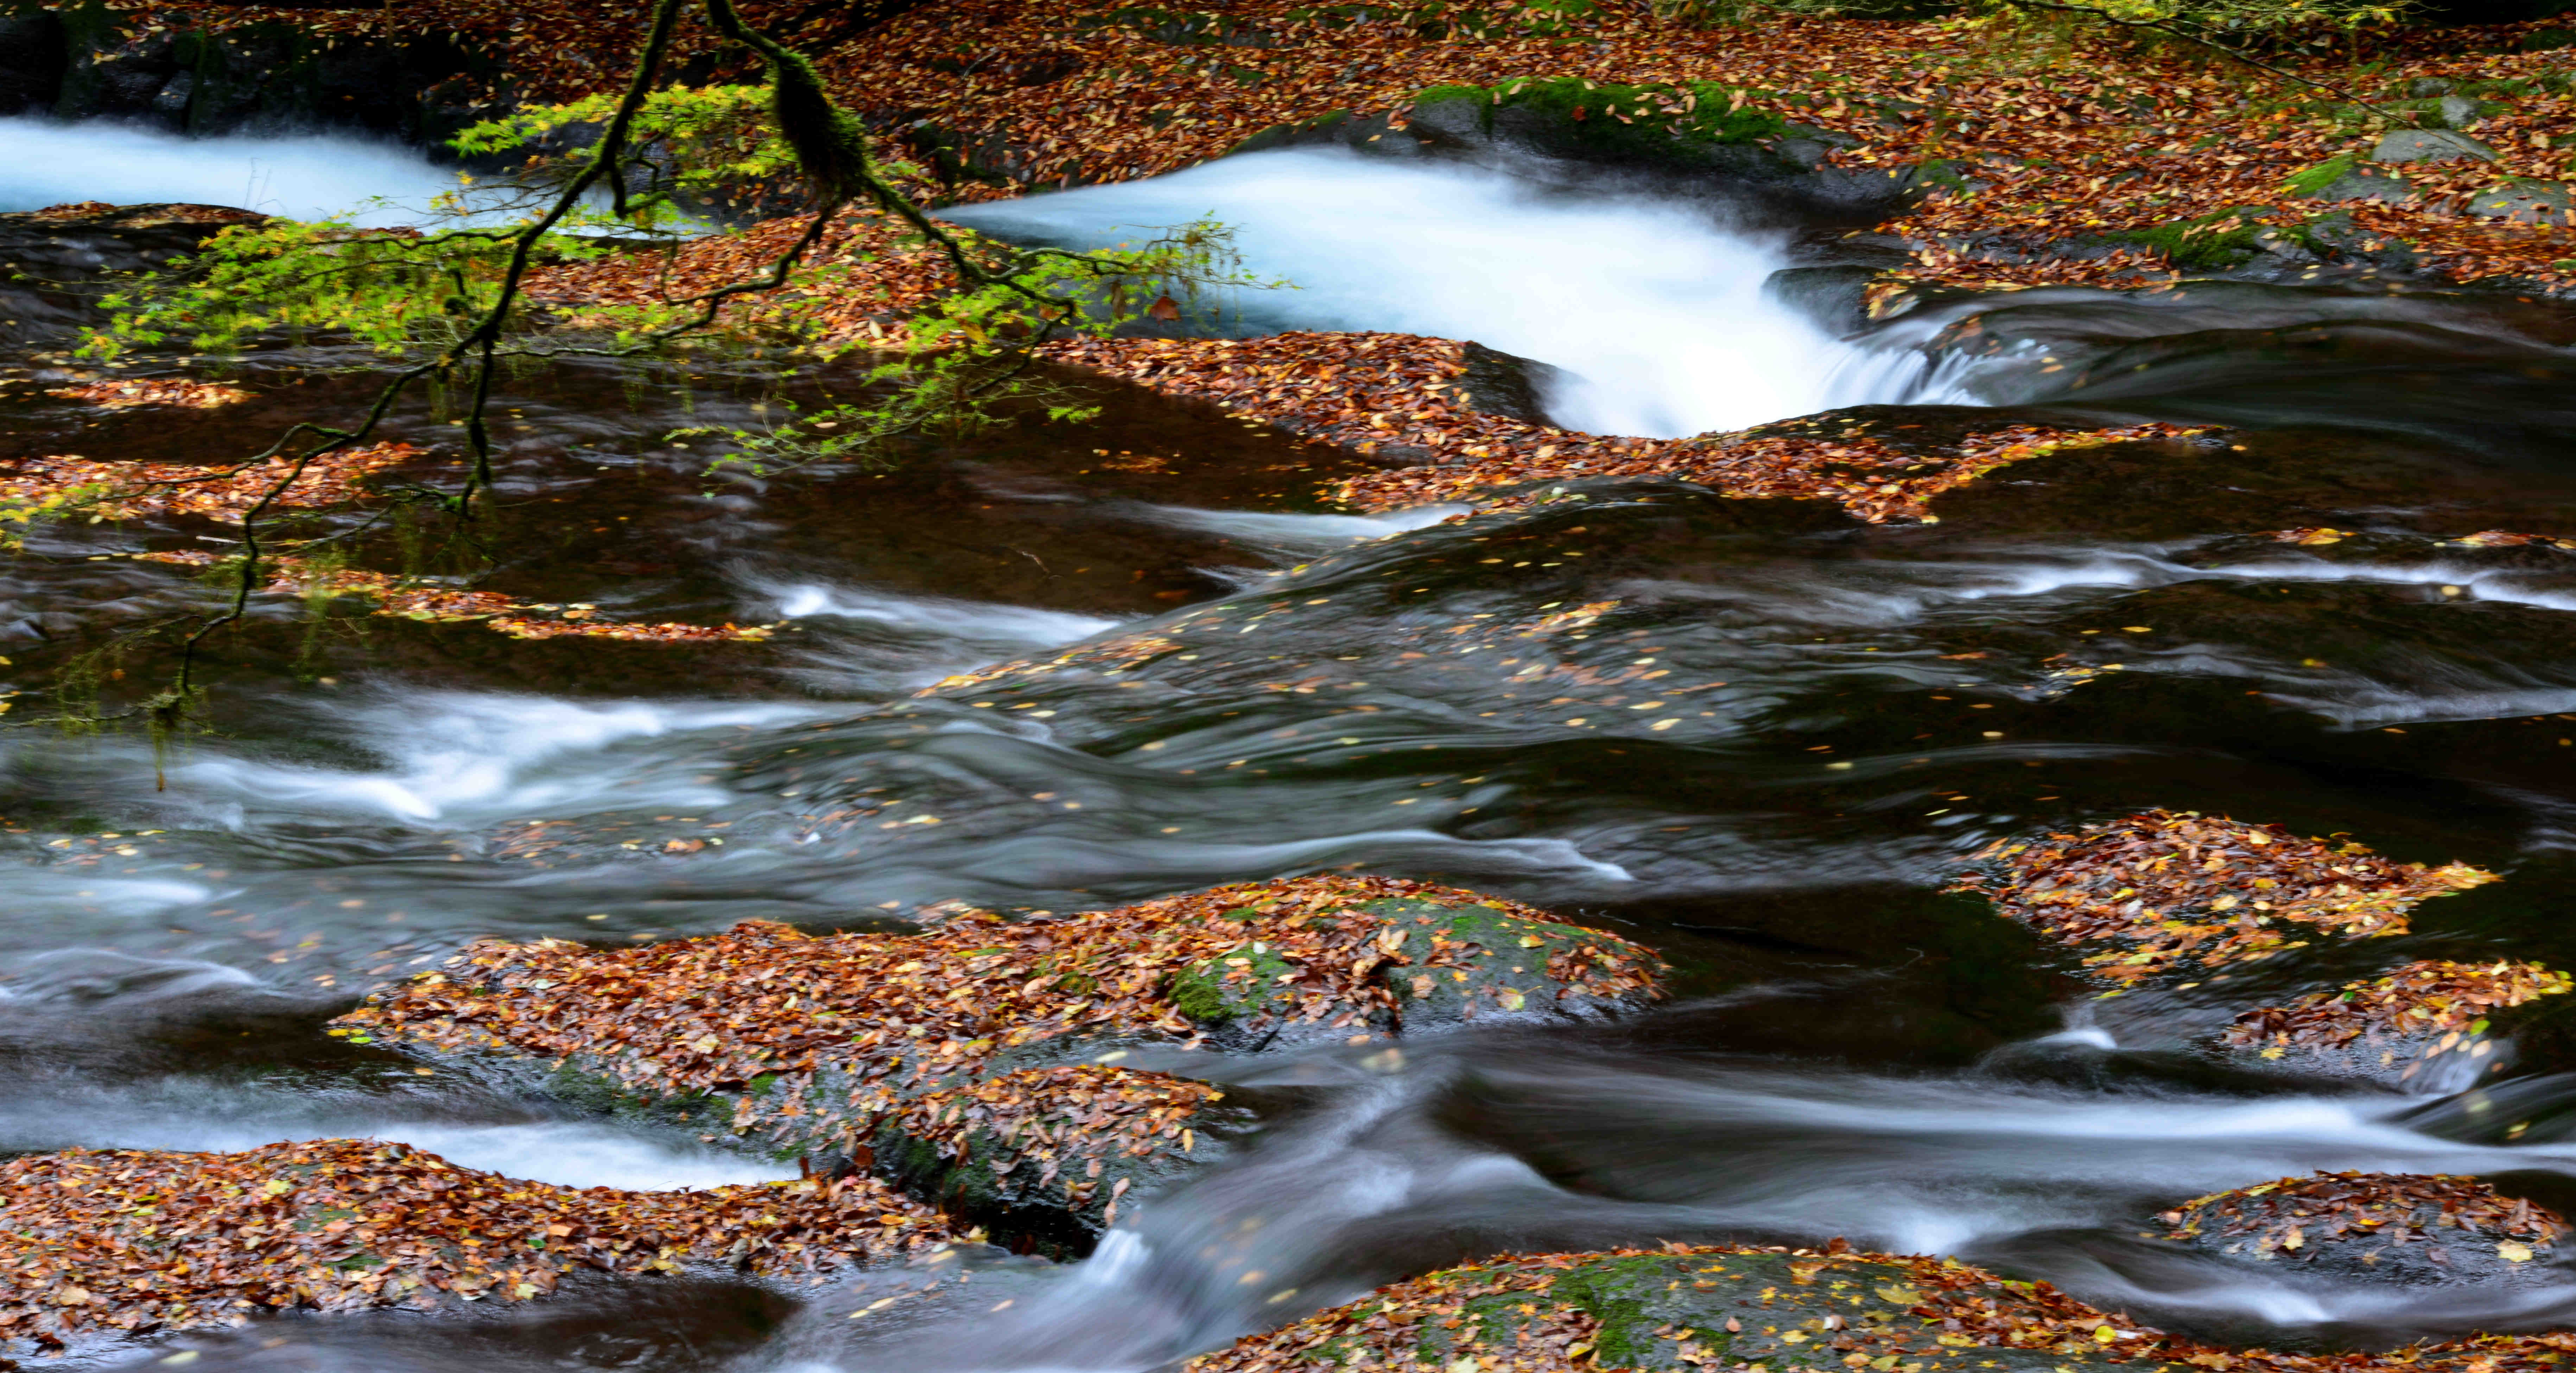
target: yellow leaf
2512 1252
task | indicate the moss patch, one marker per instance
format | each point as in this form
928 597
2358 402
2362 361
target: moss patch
1678 124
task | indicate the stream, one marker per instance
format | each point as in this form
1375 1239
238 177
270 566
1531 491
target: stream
1851 1054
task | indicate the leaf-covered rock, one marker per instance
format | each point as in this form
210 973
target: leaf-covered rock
819 1045
2394 1227
2396 1025
96 1243
2179 900
1720 1307
2166 892
1054 1155
1775 1310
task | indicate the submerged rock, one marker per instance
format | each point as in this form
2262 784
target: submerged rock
107 1242
2395 1227
917 1048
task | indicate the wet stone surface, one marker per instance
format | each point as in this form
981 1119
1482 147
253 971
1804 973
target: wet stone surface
2388 1227
107 1243
939 1054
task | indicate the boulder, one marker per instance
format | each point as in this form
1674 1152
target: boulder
1506 384
350 1225
2431 1017
2164 894
2344 179
1719 1307
2430 145
1049 1156
2526 202
1694 135
2388 1227
955 1048
1742 1308
2182 902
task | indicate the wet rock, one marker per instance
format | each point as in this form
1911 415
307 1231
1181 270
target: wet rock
1500 383
2391 1227
1743 1308
1050 1156
1718 1308
1696 132
2167 892
808 1046
2402 1024
2178 900
268 74
108 1242
2430 145
2525 202
54 262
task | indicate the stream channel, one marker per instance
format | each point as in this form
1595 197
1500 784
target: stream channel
1887 1064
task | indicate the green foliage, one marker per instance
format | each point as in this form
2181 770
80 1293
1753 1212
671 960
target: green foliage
2217 241
966 363
20 514
393 290
2315 179
698 142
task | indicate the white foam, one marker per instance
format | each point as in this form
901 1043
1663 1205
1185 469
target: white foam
209 1118
1656 309
1293 533
307 176
972 621
471 758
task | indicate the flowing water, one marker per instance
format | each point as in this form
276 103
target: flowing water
1838 714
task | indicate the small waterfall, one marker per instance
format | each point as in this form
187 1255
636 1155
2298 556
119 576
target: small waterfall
1653 308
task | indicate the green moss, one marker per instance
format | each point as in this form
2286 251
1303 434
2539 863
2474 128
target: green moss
2210 242
1590 113
2316 179
1220 992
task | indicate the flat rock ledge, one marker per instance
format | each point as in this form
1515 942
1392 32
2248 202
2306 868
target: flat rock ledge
2392 1227
100 1244
1742 1309
2182 901
977 1061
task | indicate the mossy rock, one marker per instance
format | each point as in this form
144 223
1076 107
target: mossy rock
1491 964
2343 179
1725 1307
1703 134
1719 1307
1688 126
1051 1158
815 1048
